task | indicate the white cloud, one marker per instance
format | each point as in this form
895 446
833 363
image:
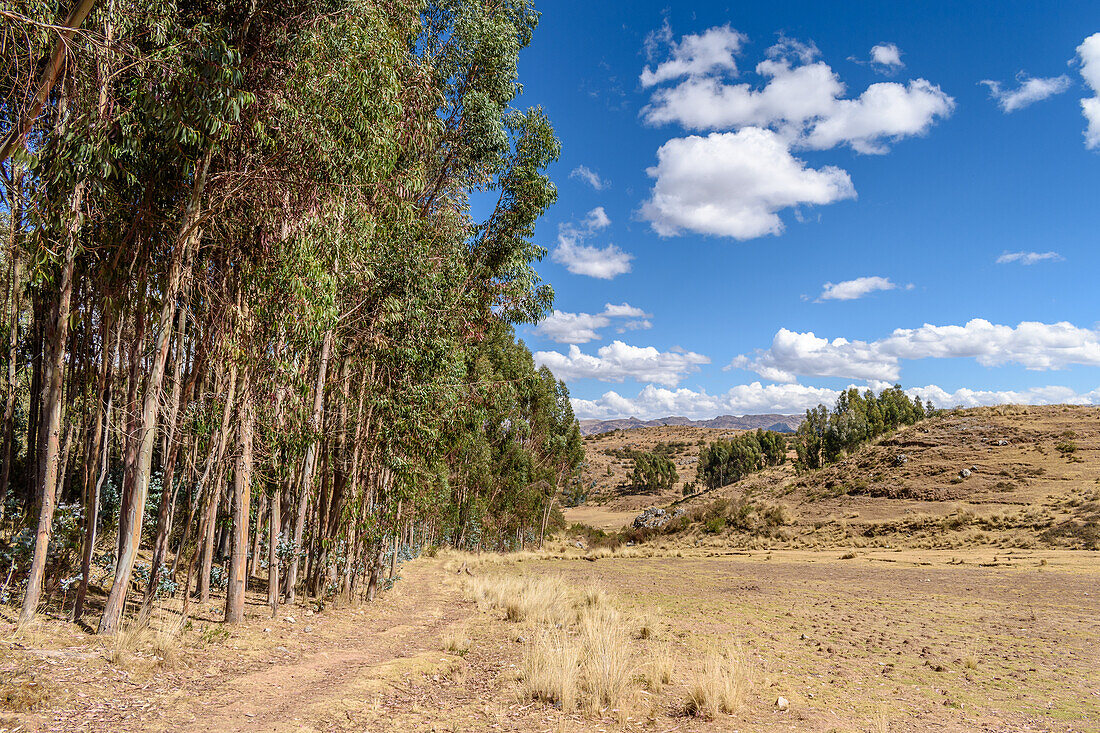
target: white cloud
1029 258
1089 55
755 398
619 361
625 310
744 399
1033 345
571 328
887 56
581 259
792 97
886 111
852 289
804 102
712 50
580 328
733 184
1029 91
642 324
589 176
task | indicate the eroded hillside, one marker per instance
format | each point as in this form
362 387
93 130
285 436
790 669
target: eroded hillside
1008 476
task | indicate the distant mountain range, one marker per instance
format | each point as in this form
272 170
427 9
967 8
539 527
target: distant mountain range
779 423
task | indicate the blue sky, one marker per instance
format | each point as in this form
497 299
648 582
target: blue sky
722 165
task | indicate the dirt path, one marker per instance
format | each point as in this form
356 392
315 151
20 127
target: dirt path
318 672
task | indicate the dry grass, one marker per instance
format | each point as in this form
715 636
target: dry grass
457 641
582 653
550 669
607 660
722 685
658 668
21 692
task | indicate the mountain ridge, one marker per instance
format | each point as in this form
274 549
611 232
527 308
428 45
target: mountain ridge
770 421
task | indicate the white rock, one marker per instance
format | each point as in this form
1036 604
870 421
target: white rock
782 704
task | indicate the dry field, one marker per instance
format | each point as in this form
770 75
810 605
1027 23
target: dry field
685 640
893 596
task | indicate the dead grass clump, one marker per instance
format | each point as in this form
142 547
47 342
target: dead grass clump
658 668
457 641
550 670
722 684
607 660
128 641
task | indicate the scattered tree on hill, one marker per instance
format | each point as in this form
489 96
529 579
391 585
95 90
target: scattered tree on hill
652 472
824 436
725 461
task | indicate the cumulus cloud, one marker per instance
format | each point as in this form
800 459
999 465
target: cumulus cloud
734 184
1029 258
582 259
1088 54
803 100
580 328
589 176
653 402
618 361
710 51
853 289
1027 92
886 57
1033 345
735 181
886 111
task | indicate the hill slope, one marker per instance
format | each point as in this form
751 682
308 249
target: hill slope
1008 476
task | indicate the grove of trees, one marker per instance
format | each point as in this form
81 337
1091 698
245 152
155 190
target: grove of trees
824 436
652 472
249 314
723 462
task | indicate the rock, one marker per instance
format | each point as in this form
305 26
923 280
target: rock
1002 441
308 629
973 469
965 473
580 545
901 459
289 619
782 704
309 612
267 629
521 640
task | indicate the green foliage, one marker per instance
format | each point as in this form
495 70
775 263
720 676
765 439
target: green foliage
824 436
726 461
652 472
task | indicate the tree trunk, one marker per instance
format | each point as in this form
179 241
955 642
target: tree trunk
242 494
310 459
177 271
13 334
96 446
57 340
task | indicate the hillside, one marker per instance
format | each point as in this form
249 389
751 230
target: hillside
779 423
1013 476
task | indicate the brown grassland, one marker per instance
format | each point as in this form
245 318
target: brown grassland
886 595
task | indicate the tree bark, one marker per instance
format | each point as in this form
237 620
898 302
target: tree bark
177 271
53 405
310 459
242 494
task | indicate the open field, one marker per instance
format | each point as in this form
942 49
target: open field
886 640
